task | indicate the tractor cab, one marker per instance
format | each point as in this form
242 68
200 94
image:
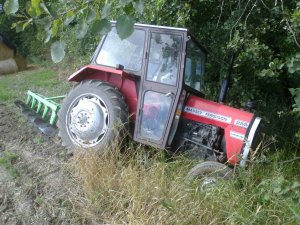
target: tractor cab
166 61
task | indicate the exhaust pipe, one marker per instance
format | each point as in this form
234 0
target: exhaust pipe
225 83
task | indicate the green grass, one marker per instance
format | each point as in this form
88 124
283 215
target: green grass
6 161
43 81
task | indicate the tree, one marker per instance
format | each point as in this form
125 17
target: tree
52 17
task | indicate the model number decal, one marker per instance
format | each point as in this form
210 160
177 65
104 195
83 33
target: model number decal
237 135
241 123
209 115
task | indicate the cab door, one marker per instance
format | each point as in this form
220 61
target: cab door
160 88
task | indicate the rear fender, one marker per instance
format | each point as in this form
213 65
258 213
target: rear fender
120 79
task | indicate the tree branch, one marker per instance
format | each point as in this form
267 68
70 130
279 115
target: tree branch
240 17
290 29
265 5
254 5
220 15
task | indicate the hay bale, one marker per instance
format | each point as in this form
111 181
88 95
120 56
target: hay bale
8 66
5 52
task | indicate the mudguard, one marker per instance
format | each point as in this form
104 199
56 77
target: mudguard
125 82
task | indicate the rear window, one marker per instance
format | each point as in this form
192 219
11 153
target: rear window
127 52
194 66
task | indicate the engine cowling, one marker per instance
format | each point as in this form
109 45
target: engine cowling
236 128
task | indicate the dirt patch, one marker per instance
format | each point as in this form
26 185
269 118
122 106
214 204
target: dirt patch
35 178
11 127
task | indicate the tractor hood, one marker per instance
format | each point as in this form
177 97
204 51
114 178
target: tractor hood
239 126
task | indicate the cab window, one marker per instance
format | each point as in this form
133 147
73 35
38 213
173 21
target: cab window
127 52
164 57
194 66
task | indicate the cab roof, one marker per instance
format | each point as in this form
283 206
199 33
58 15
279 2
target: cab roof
141 25
157 27
160 27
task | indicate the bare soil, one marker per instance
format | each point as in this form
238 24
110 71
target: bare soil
35 178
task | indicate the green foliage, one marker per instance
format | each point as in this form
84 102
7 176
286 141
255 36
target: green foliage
82 30
124 26
166 12
11 6
53 18
293 64
58 51
139 6
279 188
296 94
101 27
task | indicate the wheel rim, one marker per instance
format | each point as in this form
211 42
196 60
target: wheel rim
208 183
87 120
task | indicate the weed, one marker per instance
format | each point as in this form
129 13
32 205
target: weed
39 200
6 161
38 140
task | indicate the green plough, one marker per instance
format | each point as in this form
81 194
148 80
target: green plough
41 111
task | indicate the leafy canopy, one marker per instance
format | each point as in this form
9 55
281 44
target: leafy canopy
53 17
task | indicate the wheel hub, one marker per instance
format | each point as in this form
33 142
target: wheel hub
208 183
88 120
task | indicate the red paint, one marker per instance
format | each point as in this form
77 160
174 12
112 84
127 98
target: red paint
233 146
120 79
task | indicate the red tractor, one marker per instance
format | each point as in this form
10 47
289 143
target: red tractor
154 80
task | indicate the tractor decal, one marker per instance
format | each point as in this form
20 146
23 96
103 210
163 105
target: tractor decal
241 123
237 135
209 115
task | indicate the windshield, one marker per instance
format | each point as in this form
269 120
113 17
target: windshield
127 52
194 66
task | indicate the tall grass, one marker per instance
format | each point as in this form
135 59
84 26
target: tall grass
132 188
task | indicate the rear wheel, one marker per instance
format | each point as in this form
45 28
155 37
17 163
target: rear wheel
90 115
209 174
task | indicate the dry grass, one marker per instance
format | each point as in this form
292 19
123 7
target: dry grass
135 189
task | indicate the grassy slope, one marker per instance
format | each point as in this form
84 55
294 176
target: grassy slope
134 188
41 81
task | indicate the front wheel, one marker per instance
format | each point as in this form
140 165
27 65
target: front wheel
209 174
90 115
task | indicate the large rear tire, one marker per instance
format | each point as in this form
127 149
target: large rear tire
92 116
